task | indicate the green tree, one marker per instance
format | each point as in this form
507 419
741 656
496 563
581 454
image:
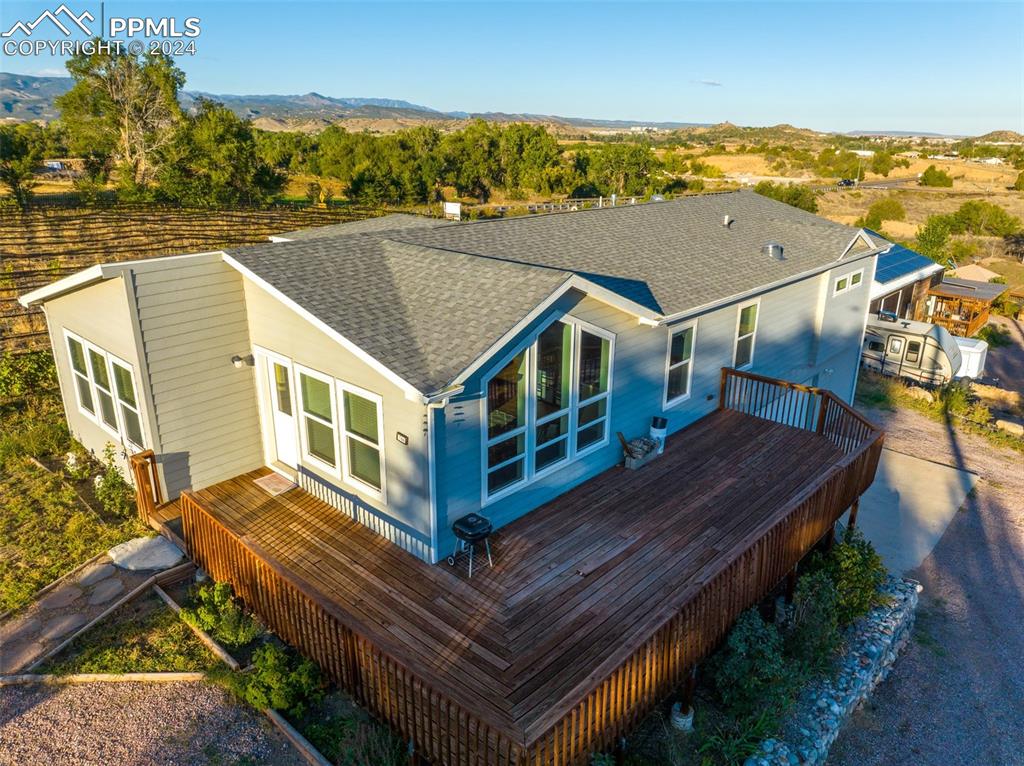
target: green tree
21 150
213 161
622 168
1019 185
792 194
933 237
124 106
984 219
886 209
932 176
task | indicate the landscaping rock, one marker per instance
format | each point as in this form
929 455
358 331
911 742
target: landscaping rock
59 627
105 591
61 596
920 393
872 645
146 553
93 574
1017 429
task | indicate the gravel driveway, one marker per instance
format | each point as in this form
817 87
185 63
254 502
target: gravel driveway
956 697
128 724
1007 362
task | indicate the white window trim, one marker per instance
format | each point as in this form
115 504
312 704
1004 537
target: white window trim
344 433
752 336
837 290
673 331
530 475
335 425
119 432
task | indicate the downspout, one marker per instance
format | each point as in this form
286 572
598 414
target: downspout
432 407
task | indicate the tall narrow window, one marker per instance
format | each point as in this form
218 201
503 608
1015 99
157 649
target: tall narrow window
282 389
747 328
680 354
318 417
124 387
362 439
592 388
76 353
554 364
506 425
101 387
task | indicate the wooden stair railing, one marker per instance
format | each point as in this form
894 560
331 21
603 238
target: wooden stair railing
147 484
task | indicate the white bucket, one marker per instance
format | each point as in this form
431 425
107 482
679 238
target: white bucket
682 721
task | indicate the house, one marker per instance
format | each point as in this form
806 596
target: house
962 306
975 273
409 376
902 281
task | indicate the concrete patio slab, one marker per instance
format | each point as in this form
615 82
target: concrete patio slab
907 509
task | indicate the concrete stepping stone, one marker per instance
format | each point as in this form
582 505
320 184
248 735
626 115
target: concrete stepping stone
59 627
95 573
61 596
146 553
105 591
18 630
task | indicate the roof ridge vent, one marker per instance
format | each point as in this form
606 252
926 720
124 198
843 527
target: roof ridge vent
773 250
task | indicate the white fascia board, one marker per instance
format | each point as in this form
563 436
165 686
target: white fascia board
878 289
275 239
573 282
410 390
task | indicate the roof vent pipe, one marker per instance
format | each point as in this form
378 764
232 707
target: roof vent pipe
727 220
773 250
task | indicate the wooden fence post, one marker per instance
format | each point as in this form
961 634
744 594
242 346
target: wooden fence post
853 514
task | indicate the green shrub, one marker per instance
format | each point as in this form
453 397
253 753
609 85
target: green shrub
995 336
749 672
932 176
279 679
733 744
113 491
218 613
954 399
812 631
354 742
29 373
857 572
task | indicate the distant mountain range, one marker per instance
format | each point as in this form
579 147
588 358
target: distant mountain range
28 97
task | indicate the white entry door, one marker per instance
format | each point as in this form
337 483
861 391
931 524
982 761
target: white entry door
282 410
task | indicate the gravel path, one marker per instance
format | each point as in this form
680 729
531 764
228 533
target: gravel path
1007 362
956 697
179 724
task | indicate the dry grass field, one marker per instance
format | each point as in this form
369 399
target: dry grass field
46 243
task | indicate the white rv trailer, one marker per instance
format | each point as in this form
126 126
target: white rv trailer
918 351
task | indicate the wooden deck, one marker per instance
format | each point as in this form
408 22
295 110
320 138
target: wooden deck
597 604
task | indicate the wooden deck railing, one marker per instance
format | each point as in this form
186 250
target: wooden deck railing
442 731
815 409
147 484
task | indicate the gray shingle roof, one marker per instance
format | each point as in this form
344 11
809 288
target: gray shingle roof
424 314
381 223
426 301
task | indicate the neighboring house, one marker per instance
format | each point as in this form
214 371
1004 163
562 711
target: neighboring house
975 273
407 377
379 356
902 281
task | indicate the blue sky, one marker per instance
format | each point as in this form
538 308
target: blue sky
946 67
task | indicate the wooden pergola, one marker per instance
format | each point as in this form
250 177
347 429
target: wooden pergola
962 306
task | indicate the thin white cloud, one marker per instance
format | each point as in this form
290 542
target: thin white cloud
49 72
709 83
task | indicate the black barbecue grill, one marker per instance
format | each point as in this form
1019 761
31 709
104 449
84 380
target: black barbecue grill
470 530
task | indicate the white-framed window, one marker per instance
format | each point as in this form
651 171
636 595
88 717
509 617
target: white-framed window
847 282
362 426
318 409
105 390
547 405
746 331
679 363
